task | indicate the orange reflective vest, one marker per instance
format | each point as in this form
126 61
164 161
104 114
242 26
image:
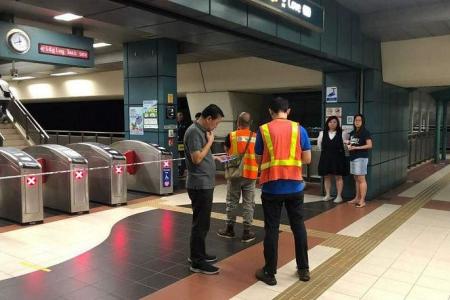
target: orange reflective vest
238 142
282 155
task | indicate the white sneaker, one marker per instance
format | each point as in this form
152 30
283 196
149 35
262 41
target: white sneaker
338 200
327 198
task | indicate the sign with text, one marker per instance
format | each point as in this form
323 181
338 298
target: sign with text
150 114
63 51
302 12
32 44
167 177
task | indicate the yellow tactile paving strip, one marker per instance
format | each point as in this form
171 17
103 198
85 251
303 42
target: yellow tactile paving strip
354 250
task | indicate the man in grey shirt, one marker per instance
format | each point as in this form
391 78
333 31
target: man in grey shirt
200 182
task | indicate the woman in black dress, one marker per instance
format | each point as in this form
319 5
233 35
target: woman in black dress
332 158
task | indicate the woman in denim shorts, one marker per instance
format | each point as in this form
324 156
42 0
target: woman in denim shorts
359 144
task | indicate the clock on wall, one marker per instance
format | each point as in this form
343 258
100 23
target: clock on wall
18 40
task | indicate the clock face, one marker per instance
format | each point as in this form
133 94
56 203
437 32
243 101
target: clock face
18 41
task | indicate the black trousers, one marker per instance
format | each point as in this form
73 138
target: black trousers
272 205
182 166
201 206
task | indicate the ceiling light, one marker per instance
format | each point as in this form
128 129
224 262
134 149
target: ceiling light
100 45
23 78
68 17
63 74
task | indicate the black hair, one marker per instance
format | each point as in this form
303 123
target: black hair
338 128
279 104
197 115
363 123
212 111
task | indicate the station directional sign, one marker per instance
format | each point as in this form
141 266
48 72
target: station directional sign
301 12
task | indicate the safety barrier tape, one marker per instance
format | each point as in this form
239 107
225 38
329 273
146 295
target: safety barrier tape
97 168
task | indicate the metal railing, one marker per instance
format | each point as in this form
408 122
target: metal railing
421 147
64 137
22 117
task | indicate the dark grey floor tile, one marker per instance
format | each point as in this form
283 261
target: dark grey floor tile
134 291
158 281
89 292
178 271
158 265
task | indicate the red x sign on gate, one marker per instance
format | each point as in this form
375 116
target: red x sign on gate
79 174
31 181
118 169
166 164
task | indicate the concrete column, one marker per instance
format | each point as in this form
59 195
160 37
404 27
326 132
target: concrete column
438 136
347 84
150 74
444 131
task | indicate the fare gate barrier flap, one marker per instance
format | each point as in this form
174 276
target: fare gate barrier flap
63 191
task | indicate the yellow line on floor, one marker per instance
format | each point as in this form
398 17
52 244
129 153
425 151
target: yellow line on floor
34 266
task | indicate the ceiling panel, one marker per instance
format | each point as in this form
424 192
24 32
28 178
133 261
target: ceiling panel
176 30
131 17
372 6
390 20
80 7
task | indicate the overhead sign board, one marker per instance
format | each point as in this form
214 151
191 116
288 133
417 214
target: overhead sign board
27 43
302 12
63 51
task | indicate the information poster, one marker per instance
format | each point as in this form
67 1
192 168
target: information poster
150 114
332 94
334 111
136 121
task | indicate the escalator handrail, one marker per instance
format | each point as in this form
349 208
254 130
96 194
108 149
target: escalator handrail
25 113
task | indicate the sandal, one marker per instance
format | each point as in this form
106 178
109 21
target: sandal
352 201
360 205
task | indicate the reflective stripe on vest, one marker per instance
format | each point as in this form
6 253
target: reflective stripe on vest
291 162
233 138
238 142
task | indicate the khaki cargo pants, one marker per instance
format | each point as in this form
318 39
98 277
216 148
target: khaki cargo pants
235 187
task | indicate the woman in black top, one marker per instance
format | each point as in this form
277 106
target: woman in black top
359 145
332 157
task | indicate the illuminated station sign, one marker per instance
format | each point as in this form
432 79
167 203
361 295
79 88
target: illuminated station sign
302 12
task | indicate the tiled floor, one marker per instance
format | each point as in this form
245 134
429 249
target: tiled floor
140 251
412 263
136 259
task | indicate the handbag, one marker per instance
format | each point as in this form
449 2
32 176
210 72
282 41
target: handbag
235 166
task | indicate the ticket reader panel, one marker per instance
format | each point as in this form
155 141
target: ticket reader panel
155 177
108 183
20 198
67 189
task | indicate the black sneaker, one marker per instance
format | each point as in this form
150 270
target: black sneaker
204 268
247 236
265 277
208 258
227 233
303 274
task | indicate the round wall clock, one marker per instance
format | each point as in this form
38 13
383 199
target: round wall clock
18 40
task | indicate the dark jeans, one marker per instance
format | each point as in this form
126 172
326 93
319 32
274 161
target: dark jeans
201 206
182 166
272 205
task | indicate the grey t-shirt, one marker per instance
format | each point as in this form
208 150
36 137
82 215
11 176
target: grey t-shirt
203 175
